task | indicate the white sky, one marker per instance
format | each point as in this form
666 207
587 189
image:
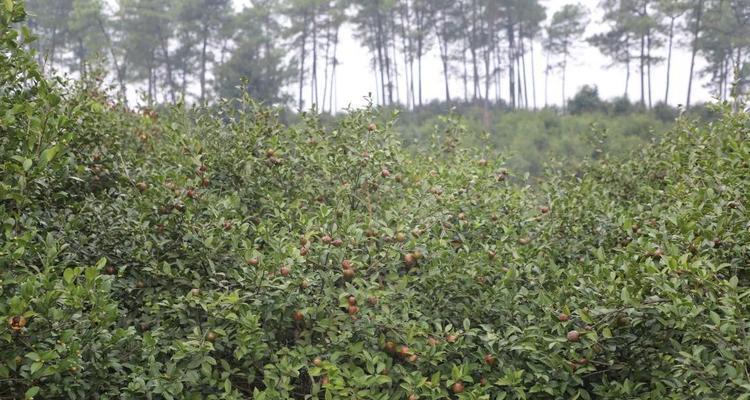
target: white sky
355 79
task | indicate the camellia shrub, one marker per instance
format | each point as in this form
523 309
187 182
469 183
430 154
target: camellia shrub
218 254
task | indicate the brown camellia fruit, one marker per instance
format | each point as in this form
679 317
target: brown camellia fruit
284 271
583 361
412 397
348 274
373 300
142 186
326 239
347 264
353 310
483 162
489 359
451 338
432 341
457 387
409 260
544 209
212 336
573 336
298 316
385 173
17 322
140 284
303 251
337 242
491 255
562 317
524 241
195 292
325 380
372 127
227 225
253 262
390 347
400 237
352 301
483 381
413 358
110 270
404 351
304 284
317 361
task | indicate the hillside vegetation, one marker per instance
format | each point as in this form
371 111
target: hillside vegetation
196 254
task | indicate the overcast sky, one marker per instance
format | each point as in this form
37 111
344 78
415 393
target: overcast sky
588 67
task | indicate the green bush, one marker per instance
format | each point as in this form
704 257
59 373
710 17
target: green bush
217 253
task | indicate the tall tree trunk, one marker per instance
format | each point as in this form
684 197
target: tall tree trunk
204 56
443 44
303 56
168 65
523 66
314 73
643 70
648 65
669 59
564 76
335 61
533 73
546 82
381 63
511 70
473 43
696 31
326 64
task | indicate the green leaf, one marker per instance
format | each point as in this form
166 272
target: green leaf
49 154
34 389
9 8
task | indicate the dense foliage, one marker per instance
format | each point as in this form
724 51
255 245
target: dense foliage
193 254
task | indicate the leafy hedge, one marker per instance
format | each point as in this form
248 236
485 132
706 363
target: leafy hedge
215 253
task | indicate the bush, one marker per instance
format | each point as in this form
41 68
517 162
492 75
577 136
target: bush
587 100
216 253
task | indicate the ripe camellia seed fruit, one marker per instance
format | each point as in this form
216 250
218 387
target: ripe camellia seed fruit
253 262
337 243
348 274
304 284
284 271
390 347
352 301
353 310
404 351
457 387
583 361
17 322
432 341
140 284
573 336
489 359
195 292
142 186
211 336
451 338
373 300
347 264
409 260
110 270
563 317
317 361
412 397
372 127
524 241
413 358
326 239
385 173
298 316
491 255
544 209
